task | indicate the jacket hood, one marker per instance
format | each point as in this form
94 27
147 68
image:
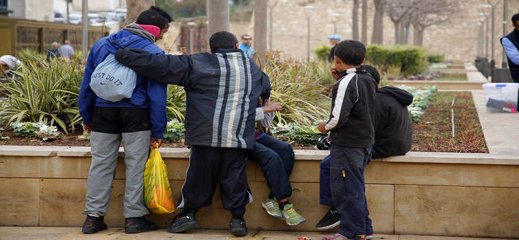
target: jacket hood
127 37
403 96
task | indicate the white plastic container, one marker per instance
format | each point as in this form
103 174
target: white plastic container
501 97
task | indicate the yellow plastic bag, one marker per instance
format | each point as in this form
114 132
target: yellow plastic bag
157 191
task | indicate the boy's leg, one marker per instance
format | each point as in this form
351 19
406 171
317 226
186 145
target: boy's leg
105 151
234 189
332 218
325 194
198 188
273 170
201 177
136 149
348 192
283 149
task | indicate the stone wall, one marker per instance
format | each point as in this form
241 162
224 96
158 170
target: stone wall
456 39
447 194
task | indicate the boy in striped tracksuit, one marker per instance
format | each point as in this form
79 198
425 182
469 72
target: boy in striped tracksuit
222 92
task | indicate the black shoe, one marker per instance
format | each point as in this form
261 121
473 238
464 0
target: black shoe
330 220
93 225
238 227
138 225
183 222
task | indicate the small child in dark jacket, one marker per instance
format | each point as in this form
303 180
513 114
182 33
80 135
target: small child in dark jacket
352 134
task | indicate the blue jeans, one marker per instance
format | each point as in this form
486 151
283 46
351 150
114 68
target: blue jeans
345 168
276 159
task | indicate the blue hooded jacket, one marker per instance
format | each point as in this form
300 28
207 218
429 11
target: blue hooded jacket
147 94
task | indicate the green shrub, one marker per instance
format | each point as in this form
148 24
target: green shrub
435 58
323 52
411 60
35 129
299 88
174 131
299 134
176 103
43 91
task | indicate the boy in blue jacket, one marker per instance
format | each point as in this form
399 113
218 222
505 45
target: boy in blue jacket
222 91
139 122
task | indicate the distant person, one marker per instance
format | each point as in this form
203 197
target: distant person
138 121
276 159
246 45
53 51
351 127
9 64
334 40
510 44
66 50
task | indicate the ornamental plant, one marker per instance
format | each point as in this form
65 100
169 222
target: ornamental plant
35 129
299 134
174 131
421 99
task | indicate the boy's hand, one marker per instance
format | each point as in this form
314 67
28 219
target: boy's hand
87 128
320 127
273 107
155 141
335 74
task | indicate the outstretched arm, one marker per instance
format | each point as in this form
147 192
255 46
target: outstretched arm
161 68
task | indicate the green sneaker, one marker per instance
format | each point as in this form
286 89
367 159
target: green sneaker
272 207
291 216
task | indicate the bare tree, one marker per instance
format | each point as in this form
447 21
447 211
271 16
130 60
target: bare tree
432 13
135 7
378 23
355 20
364 30
398 9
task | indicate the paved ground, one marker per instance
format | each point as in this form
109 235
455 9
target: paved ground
72 233
500 130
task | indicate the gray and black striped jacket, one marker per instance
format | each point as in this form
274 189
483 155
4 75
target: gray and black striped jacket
222 92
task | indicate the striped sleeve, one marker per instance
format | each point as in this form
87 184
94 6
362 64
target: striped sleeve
342 104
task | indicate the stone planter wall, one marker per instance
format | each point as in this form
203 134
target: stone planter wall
446 194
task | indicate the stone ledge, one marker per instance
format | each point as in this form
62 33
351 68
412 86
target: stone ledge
301 155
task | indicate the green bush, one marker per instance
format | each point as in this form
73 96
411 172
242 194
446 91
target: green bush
298 86
435 58
323 52
411 60
174 131
43 92
306 135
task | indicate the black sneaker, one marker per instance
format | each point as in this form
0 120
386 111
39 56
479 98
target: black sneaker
183 222
330 220
138 225
238 227
93 225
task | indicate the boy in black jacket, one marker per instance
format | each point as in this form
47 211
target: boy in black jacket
352 134
222 91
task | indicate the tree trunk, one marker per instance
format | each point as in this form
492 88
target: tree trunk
378 26
136 7
260 28
405 32
398 32
364 31
419 37
355 18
